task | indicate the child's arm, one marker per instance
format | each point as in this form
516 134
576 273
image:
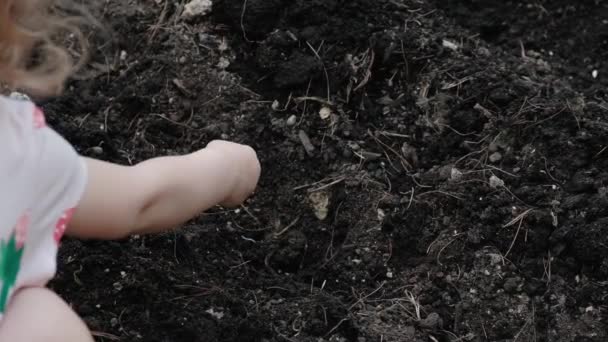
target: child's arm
162 193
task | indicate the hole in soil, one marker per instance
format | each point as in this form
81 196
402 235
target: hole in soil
492 32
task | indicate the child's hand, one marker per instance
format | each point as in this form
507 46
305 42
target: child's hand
163 192
245 168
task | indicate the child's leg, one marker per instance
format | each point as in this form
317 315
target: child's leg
38 314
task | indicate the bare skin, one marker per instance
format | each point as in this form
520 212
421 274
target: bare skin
162 193
150 197
53 319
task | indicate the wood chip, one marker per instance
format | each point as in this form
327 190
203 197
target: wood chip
305 140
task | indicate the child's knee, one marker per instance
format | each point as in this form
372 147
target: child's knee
38 314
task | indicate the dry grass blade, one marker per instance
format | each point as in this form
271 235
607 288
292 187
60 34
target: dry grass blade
361 300
520 219
161 19
313 98
242 21
517 218
369 59
104 335
404 163
324 70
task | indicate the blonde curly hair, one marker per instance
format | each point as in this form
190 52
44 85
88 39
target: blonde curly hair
34 56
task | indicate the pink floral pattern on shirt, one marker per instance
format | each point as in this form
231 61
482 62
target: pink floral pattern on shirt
21 230
39 119
62 224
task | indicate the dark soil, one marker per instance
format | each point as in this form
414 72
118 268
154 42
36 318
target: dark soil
461 147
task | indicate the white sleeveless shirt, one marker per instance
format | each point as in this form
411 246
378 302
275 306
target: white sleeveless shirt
41 181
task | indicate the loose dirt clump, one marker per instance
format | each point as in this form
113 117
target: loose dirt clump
433 171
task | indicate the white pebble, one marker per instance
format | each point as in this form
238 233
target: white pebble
291 120
495 157
197 8
275 105
594 73
450 45
325 113
455 174
217 314
496 182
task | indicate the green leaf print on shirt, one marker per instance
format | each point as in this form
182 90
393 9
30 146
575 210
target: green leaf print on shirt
10 262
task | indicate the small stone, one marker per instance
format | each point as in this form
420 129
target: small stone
410 153
455 174
495 157
325 113
495 259
483 52
433 320
381 215
496 182
353 145
223 63
320 204
305 140
216 314
117 286
594 73
449 44
291 120
275 105
98 150
197 8
445 172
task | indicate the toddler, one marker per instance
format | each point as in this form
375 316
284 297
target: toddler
47 189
